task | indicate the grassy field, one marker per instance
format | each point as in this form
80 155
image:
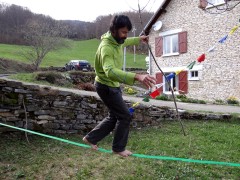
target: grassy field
50 159
76 50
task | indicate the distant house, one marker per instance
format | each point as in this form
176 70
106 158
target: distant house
188 30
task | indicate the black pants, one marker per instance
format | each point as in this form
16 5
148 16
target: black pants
118 118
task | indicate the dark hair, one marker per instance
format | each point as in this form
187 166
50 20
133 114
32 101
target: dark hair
120 21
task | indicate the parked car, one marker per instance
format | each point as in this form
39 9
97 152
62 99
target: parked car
82 65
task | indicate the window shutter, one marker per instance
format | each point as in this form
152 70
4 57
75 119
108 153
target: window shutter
182 41
183 82
159 78
158 46
203 4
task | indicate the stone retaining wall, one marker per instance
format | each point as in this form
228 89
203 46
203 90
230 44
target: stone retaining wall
50 110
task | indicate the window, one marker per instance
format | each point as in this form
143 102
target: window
169 43
193 75
173 82
179 83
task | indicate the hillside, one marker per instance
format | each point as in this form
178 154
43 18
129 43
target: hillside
17 22
76 50
11 66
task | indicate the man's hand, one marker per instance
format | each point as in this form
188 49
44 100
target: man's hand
146 79
144 39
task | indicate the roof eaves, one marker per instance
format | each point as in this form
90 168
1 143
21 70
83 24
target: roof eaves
155 17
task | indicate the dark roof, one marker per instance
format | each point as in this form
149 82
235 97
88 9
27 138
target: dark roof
155 17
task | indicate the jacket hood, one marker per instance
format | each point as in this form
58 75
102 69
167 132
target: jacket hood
108 38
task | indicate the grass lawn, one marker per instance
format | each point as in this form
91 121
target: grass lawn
77 50
50 159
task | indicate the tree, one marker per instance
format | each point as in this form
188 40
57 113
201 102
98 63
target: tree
43 35
102 25
12 19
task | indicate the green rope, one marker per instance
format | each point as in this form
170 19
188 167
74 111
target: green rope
135 155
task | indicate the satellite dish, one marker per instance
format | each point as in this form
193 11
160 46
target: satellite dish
157 26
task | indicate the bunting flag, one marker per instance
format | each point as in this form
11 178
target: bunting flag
131 110
146 99
223 39
233 29
135 104
170 76
178 71
211 49
159 85
155 93
190 66
201 58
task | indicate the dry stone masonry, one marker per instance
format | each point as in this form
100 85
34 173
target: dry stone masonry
55 111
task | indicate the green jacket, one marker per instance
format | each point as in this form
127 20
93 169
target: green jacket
109 61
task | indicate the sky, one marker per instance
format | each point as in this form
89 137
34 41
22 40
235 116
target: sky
87 10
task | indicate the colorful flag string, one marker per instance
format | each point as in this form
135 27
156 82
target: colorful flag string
200 59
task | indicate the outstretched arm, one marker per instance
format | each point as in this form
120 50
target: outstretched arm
144 39
135 40
145 79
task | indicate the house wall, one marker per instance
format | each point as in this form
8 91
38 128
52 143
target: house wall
220 75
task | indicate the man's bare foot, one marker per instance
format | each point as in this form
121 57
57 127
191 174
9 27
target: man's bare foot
94 147
124 153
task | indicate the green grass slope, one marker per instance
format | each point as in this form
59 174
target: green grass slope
77 50
45 158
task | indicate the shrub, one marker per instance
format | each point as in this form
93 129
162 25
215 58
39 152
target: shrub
52 78
181 96
48 76
219 101
129 90
82 77
232 100
184 98
82 73
86 86
162 97
201 102
191 100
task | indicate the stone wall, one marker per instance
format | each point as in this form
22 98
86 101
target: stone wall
220 74
64 111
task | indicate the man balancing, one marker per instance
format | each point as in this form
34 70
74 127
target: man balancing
109 75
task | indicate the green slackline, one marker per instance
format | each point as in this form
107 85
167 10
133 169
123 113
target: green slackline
135 155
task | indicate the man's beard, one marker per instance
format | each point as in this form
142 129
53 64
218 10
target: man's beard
119 39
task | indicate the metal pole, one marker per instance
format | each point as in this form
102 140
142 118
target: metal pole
134 57
134 47
124 59
150 64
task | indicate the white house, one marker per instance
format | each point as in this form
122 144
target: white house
184 31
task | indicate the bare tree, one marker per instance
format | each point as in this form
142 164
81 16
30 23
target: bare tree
43 35
102 25
12 19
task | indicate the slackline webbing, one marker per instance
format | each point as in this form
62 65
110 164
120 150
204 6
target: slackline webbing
135 155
